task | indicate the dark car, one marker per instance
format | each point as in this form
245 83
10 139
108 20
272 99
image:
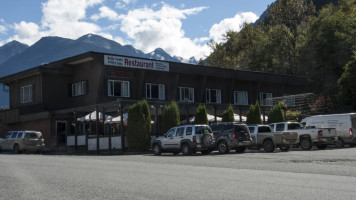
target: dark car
231 135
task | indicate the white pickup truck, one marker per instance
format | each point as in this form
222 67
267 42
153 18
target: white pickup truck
308 137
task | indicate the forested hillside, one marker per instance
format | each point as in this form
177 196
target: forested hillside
297 39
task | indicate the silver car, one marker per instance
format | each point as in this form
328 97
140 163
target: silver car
18 141
186 139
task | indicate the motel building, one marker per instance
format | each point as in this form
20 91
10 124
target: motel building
80 103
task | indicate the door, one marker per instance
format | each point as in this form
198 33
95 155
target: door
11 140
61 132
179 136
168 140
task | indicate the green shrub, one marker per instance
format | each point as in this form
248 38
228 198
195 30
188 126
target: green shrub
170 117
201 115
276 114
254 114
139 127
228 115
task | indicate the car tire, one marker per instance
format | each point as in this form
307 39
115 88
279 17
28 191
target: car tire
241 150
16 149
284 148
321 146
207 140
223 147
156 149
268 146
339 143
186 150
306 144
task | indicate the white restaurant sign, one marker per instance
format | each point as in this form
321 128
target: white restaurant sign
135 63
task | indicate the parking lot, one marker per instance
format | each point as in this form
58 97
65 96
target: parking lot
315 174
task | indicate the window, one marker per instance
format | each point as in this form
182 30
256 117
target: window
240 98
188 131
266 99
155 91
14 134
118 88
213 96
19 135
186 94
79 88
31 135
171 132
26 94
290 100
280 127
180 131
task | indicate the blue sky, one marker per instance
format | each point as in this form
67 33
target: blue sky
181 27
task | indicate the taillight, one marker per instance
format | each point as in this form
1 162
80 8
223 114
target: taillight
320 132
212 137
234 135
194 138
350 131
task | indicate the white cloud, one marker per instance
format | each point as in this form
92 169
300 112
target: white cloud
122 4
60 18
105 12
3 28
234 24
151 29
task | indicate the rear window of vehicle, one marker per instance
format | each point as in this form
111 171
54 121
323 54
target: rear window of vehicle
229 127
293 126
202 129
241 129
264 129
31 135
252 129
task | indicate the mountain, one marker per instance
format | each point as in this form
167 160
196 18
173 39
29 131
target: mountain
49 49
10 49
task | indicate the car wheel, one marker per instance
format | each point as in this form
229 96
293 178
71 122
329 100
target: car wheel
306 144
321 146
205 152
284 148
268 146
156 149
339 143
222 147
16 149
186 150
207 140
241 150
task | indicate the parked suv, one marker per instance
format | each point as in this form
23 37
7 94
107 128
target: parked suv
186 139
18 141
231 136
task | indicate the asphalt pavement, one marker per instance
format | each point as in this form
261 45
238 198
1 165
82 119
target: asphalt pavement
316 174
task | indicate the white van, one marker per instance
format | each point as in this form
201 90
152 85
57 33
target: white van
345 125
